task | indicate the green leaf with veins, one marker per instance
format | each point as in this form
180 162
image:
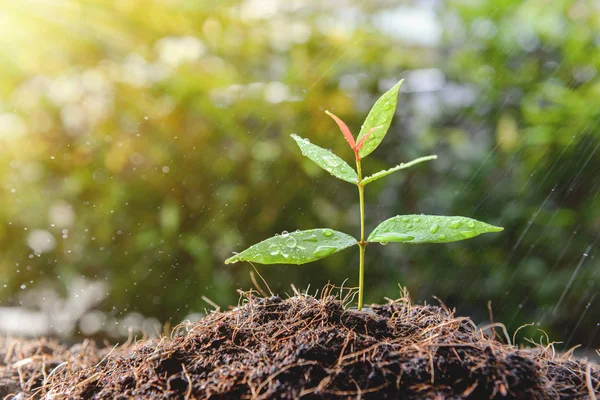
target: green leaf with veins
379 117
326 160
386 172
429 229
298 247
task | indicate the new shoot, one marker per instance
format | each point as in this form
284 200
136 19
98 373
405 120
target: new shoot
302 247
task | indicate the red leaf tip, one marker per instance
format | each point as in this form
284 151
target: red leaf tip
345 130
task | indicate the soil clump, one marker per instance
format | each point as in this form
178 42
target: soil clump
302 347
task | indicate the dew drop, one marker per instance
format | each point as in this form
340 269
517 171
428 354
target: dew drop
395 237
405 219
331 161
285 234
258 258
417 220
455 224
291 242
311 238
434 228
328 233
274 250
324 251
442 237
467 234
471 224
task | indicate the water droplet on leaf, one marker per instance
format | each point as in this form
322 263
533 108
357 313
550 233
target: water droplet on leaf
291 242
324 251
327 233
395 237
455 224
331 162
311 238
434 228
274 250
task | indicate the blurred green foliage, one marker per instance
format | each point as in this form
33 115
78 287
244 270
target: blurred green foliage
142 143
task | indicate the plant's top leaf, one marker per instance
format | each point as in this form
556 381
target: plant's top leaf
326 160
386 172
298 247
380 116
429 229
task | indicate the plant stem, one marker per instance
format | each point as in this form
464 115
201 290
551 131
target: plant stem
362 244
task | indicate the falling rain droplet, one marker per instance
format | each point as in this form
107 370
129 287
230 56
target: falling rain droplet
434 228
324 251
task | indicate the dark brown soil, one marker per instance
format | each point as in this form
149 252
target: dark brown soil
302 347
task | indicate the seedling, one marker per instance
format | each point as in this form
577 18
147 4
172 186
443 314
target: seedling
302 247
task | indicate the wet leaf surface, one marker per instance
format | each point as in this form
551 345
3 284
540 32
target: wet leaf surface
398 167
379 117
298 247
429 229
326 160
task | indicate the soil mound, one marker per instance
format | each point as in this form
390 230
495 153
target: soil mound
303 347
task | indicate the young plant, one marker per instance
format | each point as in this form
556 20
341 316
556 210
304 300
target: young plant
302 247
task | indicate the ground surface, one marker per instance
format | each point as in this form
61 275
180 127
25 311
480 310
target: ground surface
302 347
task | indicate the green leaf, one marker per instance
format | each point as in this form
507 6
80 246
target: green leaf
298 247
379 117
386 172
326 160
429 229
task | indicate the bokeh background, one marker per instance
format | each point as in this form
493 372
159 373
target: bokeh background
142 142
